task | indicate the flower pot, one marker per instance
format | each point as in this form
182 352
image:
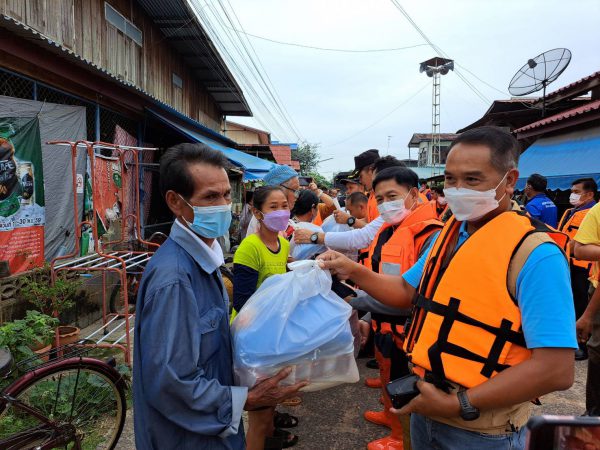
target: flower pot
43 351
67 335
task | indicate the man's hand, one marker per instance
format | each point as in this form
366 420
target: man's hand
302 236
431 402
269 393
584 328
337 264
341 216
313 187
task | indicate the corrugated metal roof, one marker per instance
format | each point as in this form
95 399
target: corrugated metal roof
573 86
418 137
215 88
282 154
578 111
184 32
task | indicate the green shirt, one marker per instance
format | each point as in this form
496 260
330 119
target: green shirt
253 253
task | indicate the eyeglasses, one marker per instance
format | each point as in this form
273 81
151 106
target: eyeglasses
295 191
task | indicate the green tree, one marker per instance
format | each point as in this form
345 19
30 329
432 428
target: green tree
308 156
320 179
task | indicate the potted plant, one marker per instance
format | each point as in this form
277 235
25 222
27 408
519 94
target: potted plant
25 337
53 299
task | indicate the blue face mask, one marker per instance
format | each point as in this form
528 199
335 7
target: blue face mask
210 222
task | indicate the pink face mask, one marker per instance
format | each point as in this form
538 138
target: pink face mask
277 220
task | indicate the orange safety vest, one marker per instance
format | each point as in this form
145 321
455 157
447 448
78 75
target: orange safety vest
569 226
399 253
372 211
466 326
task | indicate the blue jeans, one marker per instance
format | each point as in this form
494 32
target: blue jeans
426 434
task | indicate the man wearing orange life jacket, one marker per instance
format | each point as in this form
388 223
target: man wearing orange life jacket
441 204
582 199
493 319
407 231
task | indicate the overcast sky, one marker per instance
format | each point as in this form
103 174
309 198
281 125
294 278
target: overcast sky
333 96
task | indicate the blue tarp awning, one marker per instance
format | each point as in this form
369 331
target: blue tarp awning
254 168
562 159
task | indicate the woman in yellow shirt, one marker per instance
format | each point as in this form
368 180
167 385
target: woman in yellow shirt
258 257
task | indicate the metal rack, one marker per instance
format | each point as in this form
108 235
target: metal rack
116 327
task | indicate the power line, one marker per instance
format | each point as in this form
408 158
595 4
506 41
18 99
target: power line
484 82
261 108
381 118
270 86
328 49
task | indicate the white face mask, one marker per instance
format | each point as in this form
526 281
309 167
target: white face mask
393 212
574 199
442 201
469 204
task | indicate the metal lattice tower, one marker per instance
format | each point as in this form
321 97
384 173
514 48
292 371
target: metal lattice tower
435 122
435 68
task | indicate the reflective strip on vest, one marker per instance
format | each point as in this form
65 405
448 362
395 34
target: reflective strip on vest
391 268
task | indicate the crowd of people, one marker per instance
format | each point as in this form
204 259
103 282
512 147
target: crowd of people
486 298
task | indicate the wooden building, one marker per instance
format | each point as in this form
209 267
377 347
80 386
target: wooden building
123 54
145 69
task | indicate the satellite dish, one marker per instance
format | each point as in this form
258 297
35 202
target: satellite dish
539 72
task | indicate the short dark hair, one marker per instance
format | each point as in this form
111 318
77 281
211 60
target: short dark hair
306 201
261 194
538 182
438 190
589 184
423 182
174 173
505 149
402 175
249 196
357 198
387 161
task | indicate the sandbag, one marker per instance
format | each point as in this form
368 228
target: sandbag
295 320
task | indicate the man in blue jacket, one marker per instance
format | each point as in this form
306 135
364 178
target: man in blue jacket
183 391
539 206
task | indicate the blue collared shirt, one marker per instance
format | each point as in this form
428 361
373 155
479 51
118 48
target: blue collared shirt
183 390
543 293
542 208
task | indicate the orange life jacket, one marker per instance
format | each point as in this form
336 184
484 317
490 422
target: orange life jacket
569 226
466 325
372 211
399 252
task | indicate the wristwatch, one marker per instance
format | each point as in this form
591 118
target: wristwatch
314 238
467 411
351 221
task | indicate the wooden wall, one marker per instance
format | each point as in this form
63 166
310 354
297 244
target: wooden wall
80 26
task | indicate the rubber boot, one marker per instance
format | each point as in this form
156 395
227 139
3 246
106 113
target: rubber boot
381 417
395 440
375 382
378 418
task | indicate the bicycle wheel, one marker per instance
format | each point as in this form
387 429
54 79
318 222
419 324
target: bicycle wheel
85 400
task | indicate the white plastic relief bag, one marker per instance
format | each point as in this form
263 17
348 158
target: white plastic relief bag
306 251
295 320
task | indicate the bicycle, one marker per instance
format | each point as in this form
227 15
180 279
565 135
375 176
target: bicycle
61 399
